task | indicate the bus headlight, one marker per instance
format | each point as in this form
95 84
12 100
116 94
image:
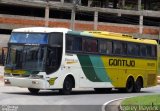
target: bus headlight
35 82
6 81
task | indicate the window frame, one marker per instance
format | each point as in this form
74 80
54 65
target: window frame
125 45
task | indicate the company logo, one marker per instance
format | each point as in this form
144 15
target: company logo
121 62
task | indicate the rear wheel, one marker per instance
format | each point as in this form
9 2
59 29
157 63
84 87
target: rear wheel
138 85
129 85
67 86
33 90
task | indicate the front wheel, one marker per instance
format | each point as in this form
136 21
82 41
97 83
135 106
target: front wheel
67 86
33 90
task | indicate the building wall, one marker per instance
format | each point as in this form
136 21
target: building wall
9 20
21 21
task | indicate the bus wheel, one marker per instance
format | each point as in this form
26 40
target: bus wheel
67 86
33 90
138 85
129 85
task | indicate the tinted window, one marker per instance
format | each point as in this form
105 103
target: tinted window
151 51
143 50
105 47
133 49
119 47
56 39
73 43
90 45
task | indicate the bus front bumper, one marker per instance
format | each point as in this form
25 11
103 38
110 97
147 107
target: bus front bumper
25 82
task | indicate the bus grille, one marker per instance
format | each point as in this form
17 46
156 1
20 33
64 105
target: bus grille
20 75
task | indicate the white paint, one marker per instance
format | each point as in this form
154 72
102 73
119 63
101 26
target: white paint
105 104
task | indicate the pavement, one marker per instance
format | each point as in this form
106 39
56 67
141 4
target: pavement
113 105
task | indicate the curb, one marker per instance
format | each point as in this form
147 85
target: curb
113 105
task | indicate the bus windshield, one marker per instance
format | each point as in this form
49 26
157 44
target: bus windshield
35 51
28 57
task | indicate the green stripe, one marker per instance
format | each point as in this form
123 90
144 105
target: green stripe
99 68
87 68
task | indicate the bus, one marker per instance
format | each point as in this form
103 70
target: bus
41 58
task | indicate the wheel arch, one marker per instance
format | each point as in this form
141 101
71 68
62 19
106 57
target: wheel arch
72 78
130 76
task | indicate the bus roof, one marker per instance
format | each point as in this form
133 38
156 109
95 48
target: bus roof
41 29
113 36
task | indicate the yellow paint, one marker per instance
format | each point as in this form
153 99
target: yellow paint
52 80
71 62
14 71
118 36
120 74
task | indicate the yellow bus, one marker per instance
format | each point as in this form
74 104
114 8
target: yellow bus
58 58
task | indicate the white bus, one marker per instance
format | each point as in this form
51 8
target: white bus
41 58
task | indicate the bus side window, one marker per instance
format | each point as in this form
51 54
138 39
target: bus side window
117 47
151 51
133 49
73 43
90 45
105 47
154 51
69 43
143 50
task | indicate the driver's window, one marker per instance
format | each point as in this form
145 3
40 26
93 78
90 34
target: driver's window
53 59
50 60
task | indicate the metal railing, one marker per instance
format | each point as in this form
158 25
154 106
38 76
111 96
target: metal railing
129 5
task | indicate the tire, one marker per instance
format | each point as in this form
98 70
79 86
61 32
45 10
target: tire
33 91
138 85
129 85
102 90
67 86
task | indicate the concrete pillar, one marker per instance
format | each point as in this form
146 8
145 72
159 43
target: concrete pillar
139 4
123 4
79 2
73 15
89 3
62 1
95 20
141 24
47 15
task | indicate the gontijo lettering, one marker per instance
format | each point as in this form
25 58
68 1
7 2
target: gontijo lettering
121 62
